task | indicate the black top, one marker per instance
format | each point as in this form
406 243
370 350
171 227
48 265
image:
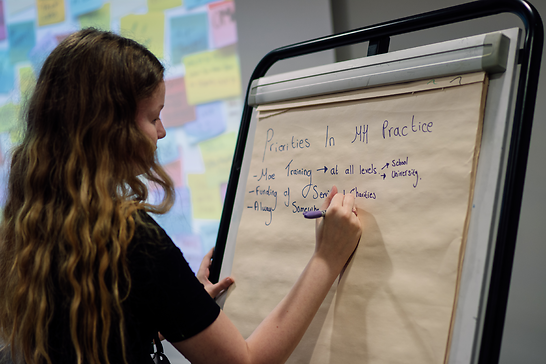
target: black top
165 296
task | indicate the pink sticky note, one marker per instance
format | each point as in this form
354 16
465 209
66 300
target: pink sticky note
176 112
174 170
223 190
2 21
222 23
61 37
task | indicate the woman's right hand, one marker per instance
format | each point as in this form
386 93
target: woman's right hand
338 232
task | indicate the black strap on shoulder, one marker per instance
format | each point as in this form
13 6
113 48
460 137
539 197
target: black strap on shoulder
159 357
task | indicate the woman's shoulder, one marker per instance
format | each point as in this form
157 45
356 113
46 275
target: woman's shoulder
150 239
147 228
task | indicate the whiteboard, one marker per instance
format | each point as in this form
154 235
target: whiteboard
495 53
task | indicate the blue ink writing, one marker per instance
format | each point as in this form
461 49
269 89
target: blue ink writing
361 133
330 141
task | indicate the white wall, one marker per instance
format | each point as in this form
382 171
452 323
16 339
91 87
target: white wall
265 25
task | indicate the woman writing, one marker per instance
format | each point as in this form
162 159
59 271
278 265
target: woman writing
87 275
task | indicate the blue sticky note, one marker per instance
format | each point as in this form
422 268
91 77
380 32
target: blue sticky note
80 7
167 148
7 73
209 233
210 122
195 3
190 245
3 178
6 146
189 34
179 219
41 50
21 39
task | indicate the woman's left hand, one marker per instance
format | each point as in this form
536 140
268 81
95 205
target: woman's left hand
203 276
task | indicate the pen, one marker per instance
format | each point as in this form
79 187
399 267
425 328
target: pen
314 214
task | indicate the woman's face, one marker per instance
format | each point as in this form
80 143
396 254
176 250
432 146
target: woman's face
148 111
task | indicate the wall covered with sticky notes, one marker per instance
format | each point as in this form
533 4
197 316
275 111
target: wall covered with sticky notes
196 40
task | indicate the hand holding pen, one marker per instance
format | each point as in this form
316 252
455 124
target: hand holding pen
338 233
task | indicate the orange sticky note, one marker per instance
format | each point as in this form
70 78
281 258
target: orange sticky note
174 170
177 111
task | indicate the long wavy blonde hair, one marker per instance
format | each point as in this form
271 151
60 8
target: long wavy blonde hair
74 188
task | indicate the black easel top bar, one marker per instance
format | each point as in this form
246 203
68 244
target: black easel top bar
529 60
459 13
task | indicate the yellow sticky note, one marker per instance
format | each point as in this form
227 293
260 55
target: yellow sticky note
212 76
27 80
205 198
217 156
147 29
50 11
160 5
99 18
9 122
8 117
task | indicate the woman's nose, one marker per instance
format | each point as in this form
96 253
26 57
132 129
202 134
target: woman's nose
161 132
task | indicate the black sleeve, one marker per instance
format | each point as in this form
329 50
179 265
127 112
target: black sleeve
164 288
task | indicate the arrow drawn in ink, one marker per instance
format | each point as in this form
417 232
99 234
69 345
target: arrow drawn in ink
458 77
